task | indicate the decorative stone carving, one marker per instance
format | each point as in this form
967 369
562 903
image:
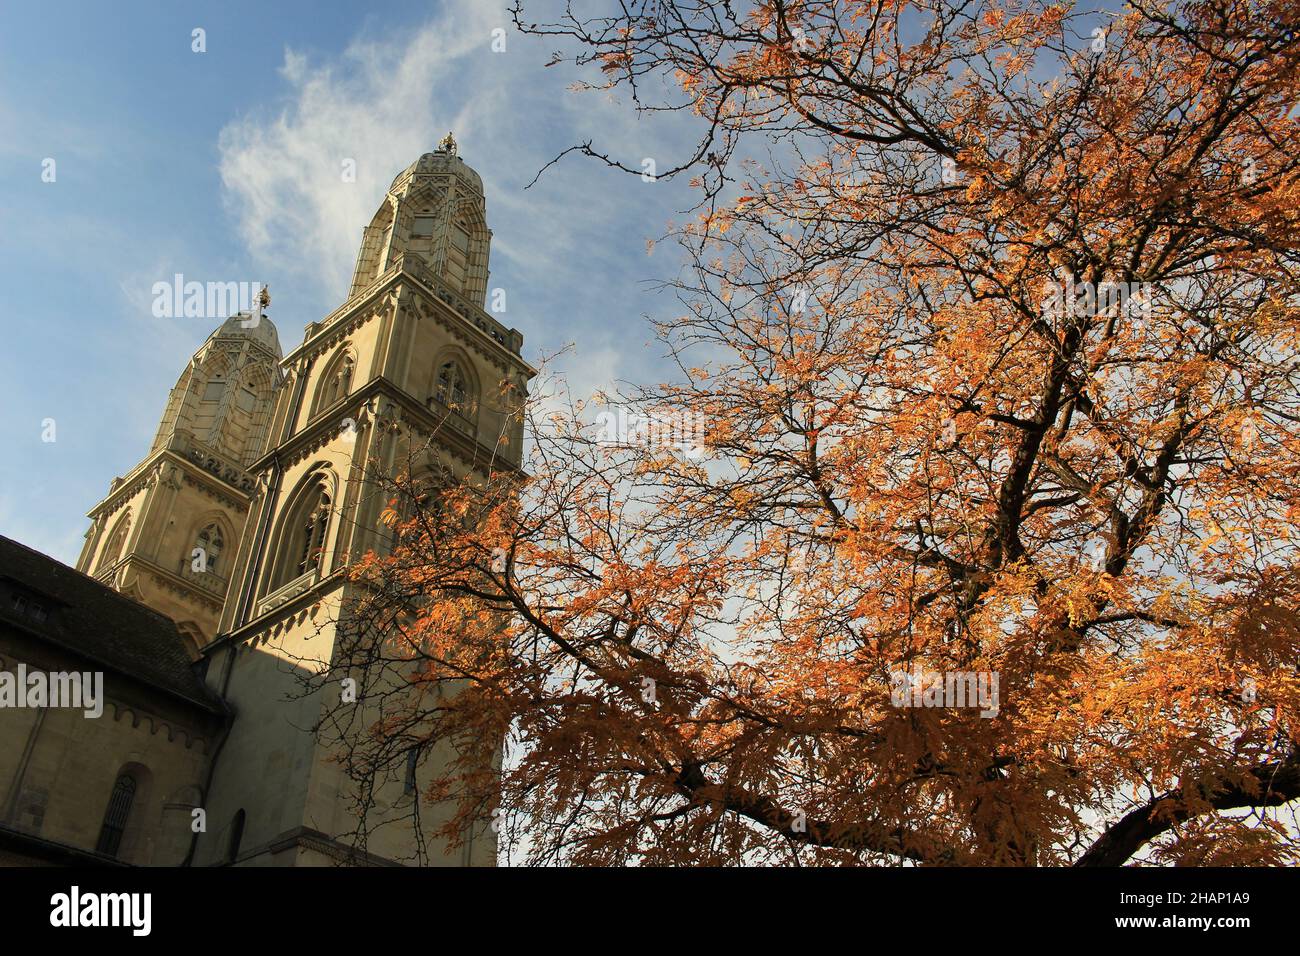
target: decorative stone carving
289 591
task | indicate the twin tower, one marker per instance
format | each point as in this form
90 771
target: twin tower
259 486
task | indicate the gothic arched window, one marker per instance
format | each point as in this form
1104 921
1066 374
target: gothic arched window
337 380
313 535
205 423
305 528
211 542
451 388
241 433
456 267
115 817
116 541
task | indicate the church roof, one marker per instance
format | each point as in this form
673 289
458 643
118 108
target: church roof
95 622
440 162
242 324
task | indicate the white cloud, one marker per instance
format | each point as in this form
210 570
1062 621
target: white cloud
381 105
570 249
284 177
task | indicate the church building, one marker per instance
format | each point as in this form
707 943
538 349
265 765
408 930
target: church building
213 573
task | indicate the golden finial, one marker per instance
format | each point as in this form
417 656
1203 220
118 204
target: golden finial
448 144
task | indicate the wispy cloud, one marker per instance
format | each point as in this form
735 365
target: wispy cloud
570 250
150 159
375 109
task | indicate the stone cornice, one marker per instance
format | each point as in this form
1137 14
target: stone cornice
205 711
148 472
271 617
321 335
140 713
324 428
327 338
321 843
492 339
471 322
217 491
134 561
157 723
179 586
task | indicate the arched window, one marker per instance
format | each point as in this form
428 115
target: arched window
337 380
456 267
211 385
236 836
209 542
450 389
116 541
313 526
115 817
241 433
260 419
303 537
374 248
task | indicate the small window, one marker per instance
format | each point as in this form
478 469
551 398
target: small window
115 817
412 761
246 399
423 227
209 544
236 836
212 392
20 604
451 388
39 613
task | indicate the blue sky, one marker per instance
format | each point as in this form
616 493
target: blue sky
225 166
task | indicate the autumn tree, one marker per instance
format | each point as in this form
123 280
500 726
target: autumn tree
989 315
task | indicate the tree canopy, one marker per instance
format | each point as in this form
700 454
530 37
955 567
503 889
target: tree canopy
988 321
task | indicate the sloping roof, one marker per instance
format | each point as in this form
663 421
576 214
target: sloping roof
31 848
94 621
259 329
442 161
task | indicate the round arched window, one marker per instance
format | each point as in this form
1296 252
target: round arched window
208 547
451 390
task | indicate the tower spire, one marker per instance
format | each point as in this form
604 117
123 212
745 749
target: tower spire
434 214
165 533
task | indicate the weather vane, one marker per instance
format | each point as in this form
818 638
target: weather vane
448 144
261 301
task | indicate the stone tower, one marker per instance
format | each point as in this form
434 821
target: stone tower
410 360
167 532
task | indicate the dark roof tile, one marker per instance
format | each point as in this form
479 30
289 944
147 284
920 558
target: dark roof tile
89 618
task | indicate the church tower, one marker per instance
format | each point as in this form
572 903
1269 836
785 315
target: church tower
410 361
166 533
